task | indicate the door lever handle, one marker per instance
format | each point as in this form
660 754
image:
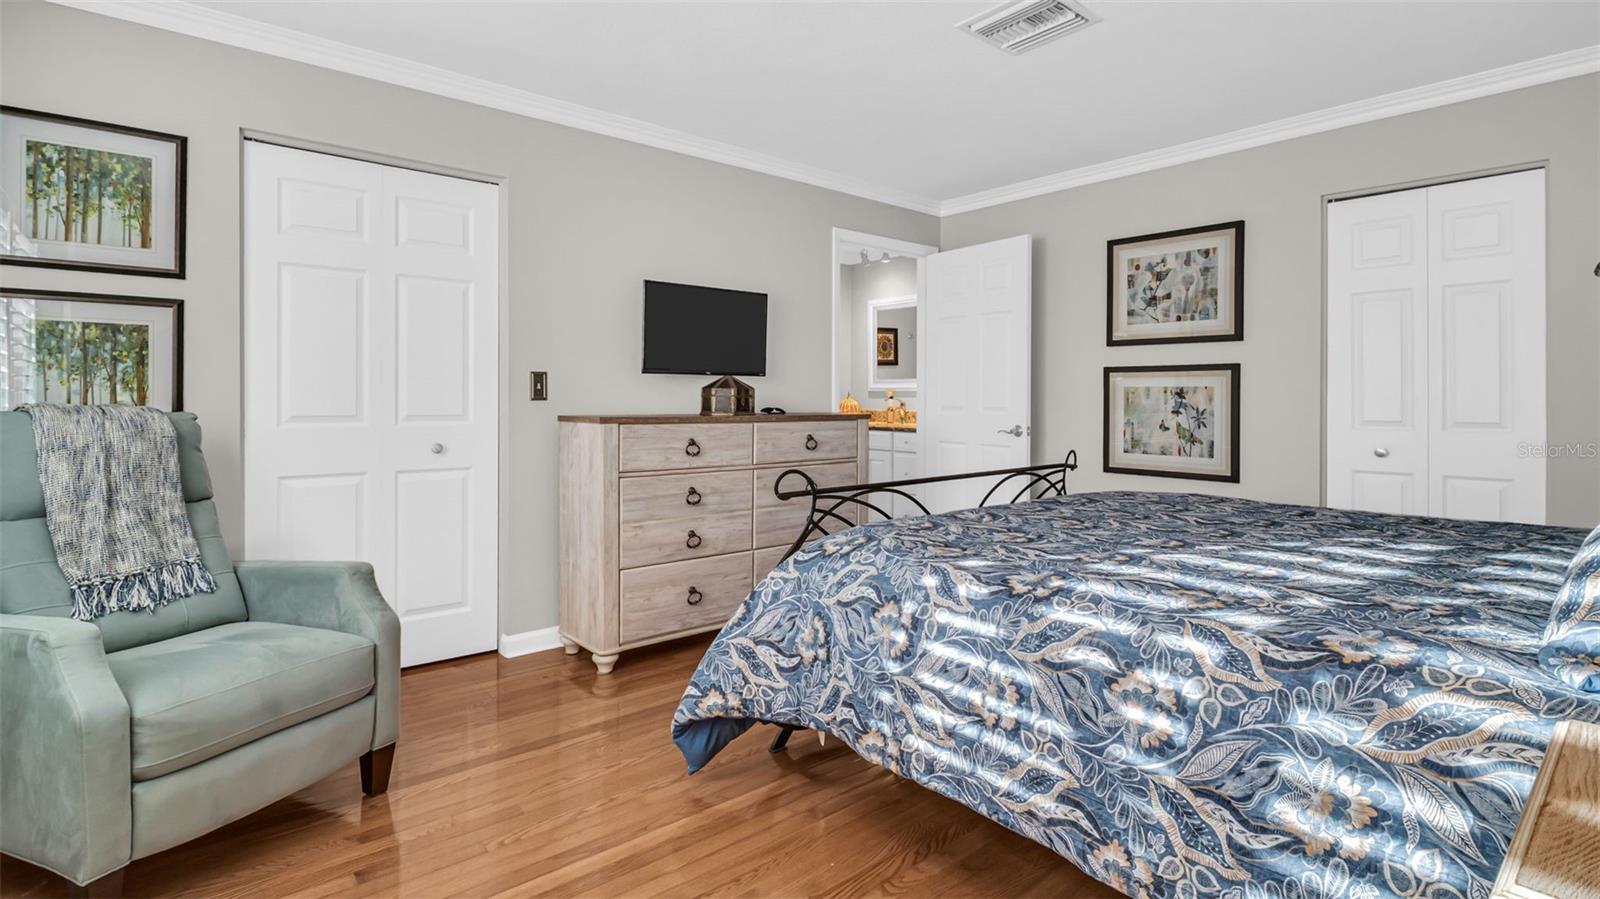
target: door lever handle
1014 430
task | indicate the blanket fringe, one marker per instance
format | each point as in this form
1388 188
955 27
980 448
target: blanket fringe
141 591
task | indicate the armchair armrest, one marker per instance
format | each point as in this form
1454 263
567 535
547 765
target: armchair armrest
65 767
335 596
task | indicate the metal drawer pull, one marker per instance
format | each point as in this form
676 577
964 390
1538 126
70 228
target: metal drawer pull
811 442
695 596
693 541
693 497
1381 453
691 448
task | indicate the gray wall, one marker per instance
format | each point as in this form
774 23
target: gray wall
1278 190
588 217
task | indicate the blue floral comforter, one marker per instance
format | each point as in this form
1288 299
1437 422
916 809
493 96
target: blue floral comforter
1184 695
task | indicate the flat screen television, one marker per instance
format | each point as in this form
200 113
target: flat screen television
704 330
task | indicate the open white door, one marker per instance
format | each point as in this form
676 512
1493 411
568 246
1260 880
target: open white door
370 389
976 366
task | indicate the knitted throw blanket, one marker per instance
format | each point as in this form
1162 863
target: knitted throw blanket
114 506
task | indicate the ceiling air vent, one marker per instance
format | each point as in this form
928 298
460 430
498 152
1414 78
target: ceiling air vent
1019 27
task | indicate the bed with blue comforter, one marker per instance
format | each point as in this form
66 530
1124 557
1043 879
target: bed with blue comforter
1184 695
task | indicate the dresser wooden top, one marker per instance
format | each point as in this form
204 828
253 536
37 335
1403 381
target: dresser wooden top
1554 853
708 419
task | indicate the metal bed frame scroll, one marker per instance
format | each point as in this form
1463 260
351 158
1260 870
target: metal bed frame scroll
1041 480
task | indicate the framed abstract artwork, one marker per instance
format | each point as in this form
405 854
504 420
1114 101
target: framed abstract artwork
1173 421
59 347
90 196
888 346
1176 287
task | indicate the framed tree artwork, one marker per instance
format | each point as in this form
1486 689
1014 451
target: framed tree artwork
1176 287
90 196
1173 421
60 347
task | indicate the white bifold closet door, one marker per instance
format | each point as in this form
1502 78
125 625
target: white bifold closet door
975 367
370 383
1436 350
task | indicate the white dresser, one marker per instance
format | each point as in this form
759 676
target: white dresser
667 521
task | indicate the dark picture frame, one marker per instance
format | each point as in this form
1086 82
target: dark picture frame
174 308
1229 301
893 336
179 175
1113 432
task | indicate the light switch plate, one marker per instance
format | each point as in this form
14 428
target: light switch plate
538 385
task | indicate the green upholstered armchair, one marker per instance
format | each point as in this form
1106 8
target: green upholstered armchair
131 734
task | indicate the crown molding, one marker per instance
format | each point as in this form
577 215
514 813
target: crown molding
225 28
1582 61
237 31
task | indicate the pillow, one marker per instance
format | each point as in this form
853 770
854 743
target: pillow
1571 649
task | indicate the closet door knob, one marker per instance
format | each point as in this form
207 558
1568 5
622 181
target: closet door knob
693 540
811 442
695 596
1381 453
691 448
693 497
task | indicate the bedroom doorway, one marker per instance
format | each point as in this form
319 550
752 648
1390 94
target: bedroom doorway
1435 360
937 347
371 383
877 289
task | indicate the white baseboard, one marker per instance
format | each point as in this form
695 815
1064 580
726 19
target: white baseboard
513 645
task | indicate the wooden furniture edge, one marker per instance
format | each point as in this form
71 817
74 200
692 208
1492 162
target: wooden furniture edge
592 450
669 419
1506 884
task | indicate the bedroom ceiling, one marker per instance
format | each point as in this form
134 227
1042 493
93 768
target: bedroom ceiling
895 102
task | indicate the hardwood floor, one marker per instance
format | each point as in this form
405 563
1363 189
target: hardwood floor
533 776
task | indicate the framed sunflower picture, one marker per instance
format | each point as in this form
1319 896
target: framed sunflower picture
1173 421
888 346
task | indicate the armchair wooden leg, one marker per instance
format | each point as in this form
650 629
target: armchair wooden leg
375 767
107 886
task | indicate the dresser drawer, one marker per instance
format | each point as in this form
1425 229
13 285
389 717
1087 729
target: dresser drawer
765 560
778 521
664 497
906 443
690 537
668 447
802 441
682 596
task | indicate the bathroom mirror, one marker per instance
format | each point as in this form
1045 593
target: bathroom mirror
891 342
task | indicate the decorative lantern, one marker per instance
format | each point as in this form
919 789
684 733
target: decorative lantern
727 396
